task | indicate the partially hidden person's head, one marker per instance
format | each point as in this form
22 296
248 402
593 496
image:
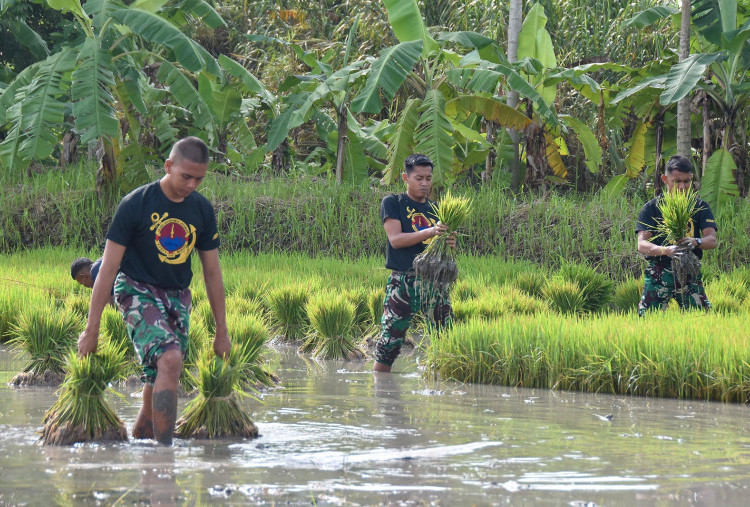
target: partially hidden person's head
80 270
186 167
418 176
678 173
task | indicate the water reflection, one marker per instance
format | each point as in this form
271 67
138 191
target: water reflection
158 477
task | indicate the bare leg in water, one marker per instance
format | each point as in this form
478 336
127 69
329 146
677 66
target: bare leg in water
158 414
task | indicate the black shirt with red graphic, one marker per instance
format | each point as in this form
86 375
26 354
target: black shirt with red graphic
414 216
160 235
650 216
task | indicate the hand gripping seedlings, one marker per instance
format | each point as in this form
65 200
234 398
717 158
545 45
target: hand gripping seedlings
81 413
677 209
216 412
436 268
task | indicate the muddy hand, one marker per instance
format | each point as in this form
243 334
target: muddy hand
87 343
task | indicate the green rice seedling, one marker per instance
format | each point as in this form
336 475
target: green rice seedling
465 309
665 354
78 303
563 296
113 326
251 333
8 313
358 298
627 295
596 289
677 209
531 282
237 306
724 303
729 284
375 306
506 300
44 335
81 414
202 312
251 291
216 411
286 306
332 321
436 266
465 289
198 293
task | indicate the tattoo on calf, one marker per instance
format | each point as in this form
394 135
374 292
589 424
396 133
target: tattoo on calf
165 407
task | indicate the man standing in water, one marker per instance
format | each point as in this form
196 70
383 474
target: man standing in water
154 231
410 224
661 285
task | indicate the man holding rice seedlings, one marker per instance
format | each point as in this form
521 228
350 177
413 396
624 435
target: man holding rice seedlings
154 231
667 238
410 224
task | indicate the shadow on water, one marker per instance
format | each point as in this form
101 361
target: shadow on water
336 433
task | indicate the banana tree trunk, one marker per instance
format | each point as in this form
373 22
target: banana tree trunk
340 153
514 29
683 106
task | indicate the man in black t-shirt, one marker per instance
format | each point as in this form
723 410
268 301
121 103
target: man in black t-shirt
155 229
410 224
661 285
84 271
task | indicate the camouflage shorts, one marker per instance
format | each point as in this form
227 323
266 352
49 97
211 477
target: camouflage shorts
157 320
660 286
402 301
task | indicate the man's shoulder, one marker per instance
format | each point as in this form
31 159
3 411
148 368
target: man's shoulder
702 205
196 198
392 199
140 192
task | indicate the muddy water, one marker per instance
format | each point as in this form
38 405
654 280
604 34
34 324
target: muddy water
332 433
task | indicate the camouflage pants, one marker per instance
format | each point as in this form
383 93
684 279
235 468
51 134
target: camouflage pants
157 320
661 286
402 301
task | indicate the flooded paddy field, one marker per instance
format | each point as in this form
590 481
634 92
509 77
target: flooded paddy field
334 433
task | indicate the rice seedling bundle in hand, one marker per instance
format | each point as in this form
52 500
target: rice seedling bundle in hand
81 413
332 322
44 334
198 339
436 267
216 412
677 209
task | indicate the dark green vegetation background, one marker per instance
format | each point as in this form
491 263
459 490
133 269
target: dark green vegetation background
317 217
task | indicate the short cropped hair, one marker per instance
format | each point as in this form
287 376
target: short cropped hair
679 163
190 148
416 159
78 265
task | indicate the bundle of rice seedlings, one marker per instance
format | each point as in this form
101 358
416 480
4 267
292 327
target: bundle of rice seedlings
724 303
531 282
731 285
198 339
241 306
677 209
436 266
596 289
375 302
563 296
286 306
332 322
358 298
509 300
465 309
250 332
216 412
8 315
78 303
251 291
44 335
465 289
81 414
628 294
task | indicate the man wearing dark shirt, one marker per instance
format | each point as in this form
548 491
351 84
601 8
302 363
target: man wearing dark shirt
661 285
410 224
84 271
154 231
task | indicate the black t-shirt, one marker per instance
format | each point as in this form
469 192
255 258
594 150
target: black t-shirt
414 216
160 235
650 213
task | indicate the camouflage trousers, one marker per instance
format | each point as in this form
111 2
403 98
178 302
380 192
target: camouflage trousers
661 286
157 320
403 299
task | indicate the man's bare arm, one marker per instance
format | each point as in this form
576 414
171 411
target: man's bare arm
399 239
216 298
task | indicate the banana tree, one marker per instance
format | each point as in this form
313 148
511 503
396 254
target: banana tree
101 78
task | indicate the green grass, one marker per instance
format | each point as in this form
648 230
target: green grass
45 335
672 354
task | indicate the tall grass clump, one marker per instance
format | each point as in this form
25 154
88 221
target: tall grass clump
677 209
81 414
286 306
44 335
436 265
216 411
251 333
563 296
596 289
671 354
332 323
627 295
